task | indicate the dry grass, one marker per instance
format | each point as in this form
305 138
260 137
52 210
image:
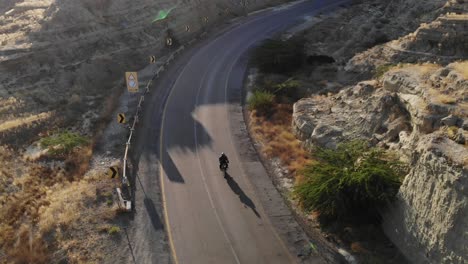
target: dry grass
74 196
446 99
9 104
275 135
437 97
23 121
461 67
427 68
357 247
45 210
421 68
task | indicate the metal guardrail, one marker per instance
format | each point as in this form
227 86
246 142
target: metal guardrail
126 205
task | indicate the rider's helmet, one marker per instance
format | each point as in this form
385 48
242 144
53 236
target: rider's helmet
222 153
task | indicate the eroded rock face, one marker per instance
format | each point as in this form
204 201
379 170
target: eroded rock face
444 40
363 111
419 111
430 216
374 23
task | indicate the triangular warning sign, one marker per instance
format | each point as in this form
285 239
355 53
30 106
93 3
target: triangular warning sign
132 81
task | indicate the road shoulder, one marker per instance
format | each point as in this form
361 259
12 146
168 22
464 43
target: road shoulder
309 246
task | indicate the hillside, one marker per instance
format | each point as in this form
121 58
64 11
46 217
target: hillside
62 67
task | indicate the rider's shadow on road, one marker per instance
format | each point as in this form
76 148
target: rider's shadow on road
242 196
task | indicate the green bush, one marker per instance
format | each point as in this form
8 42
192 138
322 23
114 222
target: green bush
63 142
277 56
262 101
382 69
350 183
289 89
113 230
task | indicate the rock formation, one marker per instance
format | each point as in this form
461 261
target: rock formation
441 41
418 109
419 112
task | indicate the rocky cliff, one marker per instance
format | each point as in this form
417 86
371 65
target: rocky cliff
441 41
421 113
404 66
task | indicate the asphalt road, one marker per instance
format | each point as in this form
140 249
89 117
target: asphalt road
186 210
211 217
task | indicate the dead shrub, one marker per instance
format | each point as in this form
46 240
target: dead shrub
28 248
277 140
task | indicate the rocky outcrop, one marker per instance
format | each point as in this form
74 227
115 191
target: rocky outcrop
429 219
363 111
420 112
369 23
443 41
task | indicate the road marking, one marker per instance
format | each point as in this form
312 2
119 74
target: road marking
161 177
166 217
161 169
218 218
238 161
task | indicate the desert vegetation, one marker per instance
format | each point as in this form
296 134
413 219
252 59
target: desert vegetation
337 189
278 56
63 142
353 181
261 101
274 131
48 211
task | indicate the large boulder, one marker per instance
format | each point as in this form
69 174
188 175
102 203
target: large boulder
326 135
402 82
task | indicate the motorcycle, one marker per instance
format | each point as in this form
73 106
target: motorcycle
223 166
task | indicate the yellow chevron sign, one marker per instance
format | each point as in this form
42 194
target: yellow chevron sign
121 118
113 172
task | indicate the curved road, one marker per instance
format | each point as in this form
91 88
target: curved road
210 218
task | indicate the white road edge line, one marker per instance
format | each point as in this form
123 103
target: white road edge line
161 169
267 219
201 169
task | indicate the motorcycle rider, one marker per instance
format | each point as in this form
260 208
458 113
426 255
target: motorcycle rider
223 159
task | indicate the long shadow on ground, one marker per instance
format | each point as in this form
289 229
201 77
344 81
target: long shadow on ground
242 196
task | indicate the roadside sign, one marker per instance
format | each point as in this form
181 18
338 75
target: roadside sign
205 19
169 41
113 172
152 59
121 118
132 81
187 28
